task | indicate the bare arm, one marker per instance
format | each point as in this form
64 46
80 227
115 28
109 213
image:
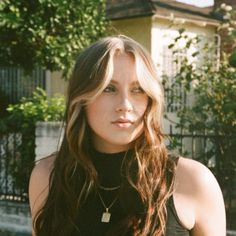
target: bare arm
198 190
39 186
210 210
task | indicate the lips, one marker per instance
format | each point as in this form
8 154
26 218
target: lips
122 123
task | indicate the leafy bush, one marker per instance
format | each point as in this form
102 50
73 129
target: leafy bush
48 33
22 120
36 108
212 88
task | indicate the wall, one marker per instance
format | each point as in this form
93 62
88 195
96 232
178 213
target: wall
55 84
137 28
162 35
14 219
48 138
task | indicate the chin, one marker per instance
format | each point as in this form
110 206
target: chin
125 141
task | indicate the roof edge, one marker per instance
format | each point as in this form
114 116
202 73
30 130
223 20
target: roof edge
200 23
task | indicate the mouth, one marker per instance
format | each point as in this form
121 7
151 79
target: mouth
123 123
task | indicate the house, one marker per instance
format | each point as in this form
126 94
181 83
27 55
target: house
148 22
227 46
155 24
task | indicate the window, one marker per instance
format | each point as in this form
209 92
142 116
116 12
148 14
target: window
170 67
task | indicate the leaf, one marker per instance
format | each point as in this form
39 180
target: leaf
232 58
36 33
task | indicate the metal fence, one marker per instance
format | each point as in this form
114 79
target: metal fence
196 146
15 84
11 165
209 150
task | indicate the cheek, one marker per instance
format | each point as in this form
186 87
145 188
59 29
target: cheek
141 106
95 113
92 114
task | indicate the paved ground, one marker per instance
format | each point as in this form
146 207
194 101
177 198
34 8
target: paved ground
14 219
4 233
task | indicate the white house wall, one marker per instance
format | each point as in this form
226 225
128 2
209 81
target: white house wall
162 35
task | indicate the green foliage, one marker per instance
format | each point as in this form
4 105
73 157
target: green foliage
228 28
210 84
22 120
48 33
37 108
232 58
214 91
3 104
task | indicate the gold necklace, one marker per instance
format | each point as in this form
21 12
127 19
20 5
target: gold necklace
109 188
106 216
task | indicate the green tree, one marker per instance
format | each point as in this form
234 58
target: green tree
22 121
228 29
48 33
211 85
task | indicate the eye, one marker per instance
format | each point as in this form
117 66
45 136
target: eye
109 89
138 90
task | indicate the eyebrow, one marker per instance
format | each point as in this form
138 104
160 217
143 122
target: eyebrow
115 82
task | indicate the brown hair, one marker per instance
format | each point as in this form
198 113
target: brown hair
74 176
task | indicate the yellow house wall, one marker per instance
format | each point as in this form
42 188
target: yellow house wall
137 28
148 31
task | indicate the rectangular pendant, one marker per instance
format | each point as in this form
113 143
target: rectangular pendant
106 217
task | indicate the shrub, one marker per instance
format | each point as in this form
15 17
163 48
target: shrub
22 120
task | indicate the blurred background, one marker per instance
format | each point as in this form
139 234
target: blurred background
193 45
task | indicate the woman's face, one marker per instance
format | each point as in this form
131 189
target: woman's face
116 116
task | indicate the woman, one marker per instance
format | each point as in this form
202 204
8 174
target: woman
113 174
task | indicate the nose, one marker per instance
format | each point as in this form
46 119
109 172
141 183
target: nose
124 104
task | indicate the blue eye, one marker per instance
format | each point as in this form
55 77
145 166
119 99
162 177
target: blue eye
109 89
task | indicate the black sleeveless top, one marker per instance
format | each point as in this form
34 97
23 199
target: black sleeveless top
89 219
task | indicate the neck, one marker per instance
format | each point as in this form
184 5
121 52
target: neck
111 148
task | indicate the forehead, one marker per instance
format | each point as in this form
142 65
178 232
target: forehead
124 67
121 57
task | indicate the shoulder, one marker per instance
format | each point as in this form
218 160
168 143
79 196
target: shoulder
196 185
42 170
196 179
39 182
194 172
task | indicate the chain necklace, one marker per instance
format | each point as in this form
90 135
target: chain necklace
109 188
106 216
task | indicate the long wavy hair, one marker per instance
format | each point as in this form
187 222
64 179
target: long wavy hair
74 176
